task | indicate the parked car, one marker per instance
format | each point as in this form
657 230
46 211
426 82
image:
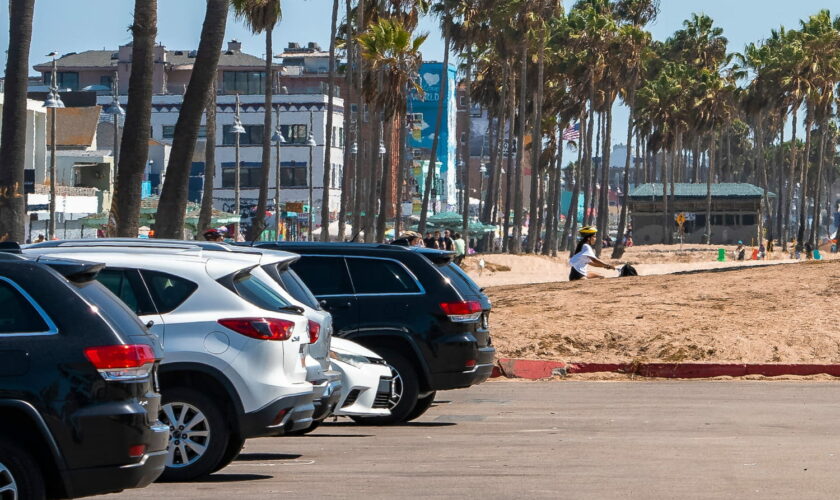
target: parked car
410 305
234 366
366 381
273 269
78 384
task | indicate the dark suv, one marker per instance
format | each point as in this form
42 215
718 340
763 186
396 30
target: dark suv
413 306
78 397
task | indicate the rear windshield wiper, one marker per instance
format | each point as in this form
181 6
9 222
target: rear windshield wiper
292 309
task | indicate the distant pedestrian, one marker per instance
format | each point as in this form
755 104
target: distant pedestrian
213 235
446 242
809 249
430 241
585 255
740 251
460 248
762 251
40 239
407 239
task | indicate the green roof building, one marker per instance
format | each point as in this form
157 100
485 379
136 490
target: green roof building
735 214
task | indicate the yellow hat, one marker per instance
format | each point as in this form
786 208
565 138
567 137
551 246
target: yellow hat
588 230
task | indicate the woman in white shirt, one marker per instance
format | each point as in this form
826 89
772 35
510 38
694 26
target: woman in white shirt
585 256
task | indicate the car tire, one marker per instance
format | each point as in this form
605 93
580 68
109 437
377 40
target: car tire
406 390
19 472
422 405
185 409
234 448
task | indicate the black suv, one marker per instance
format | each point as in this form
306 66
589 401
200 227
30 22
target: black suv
78 396
413 306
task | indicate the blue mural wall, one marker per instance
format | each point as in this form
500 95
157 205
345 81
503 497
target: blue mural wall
431 80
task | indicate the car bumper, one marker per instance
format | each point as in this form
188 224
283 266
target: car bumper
289 413
326 395
459 355
111 479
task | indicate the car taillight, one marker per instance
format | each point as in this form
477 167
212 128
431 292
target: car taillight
122 362
463 311
314 332
260 328
137 450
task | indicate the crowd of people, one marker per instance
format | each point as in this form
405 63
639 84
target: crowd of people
452 242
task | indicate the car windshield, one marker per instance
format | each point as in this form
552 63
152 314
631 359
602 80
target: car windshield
258 292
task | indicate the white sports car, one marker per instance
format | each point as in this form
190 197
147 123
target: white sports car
366 382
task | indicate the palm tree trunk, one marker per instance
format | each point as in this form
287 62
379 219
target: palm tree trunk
791 175
815 227
803 199
572 219
495 157
465 217
348 100
709 178
604 201
780 182
596 191
518 206
558 193
430 175
13 137
205 214
401 171
666 225
618 251
536 146
386 185
510 157
258 223
373 177
173 199
125 204
587 154
325 196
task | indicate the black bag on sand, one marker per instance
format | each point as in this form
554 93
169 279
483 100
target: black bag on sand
627 270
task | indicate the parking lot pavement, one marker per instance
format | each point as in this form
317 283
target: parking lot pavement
720 439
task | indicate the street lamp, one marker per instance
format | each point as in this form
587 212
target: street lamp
278 141
310 142
237 129
52 102
483 172
116 111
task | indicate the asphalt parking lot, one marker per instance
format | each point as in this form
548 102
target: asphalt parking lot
675 439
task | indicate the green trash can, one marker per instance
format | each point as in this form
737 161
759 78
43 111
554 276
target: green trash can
721 255
817 255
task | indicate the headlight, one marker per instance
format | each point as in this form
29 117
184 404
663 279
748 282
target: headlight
350 359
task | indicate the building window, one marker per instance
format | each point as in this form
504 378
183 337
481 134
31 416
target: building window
354 108
253 136
293 174
717 220
244 82
295 134
731 219
106 81
249 174
64 79
748 220
169 132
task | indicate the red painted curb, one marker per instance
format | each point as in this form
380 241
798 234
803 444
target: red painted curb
539 369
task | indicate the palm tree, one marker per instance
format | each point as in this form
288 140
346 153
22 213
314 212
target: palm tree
262 16
205 214
173 199
390 50
125 204
13 138
325 197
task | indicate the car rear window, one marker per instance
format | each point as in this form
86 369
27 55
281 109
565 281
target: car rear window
292 283
168 291
380 276
459 279
111 309
257 292
17 314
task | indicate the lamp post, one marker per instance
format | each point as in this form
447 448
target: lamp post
115 110
310 143
237 130
52 102
483 172
278 140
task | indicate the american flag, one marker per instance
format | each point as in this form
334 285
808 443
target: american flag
572 133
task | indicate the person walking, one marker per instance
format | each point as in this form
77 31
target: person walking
460 248
585 256
446 242
430 241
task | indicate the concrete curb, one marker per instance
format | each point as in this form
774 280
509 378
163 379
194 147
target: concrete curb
539 369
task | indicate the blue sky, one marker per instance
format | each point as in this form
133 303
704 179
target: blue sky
73 26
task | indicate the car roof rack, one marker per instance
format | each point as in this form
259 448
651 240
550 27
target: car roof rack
145 243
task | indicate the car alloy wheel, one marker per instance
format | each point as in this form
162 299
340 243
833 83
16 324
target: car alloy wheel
8 486
396 388
189 433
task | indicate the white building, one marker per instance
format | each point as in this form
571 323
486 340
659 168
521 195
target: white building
298 113
36 135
